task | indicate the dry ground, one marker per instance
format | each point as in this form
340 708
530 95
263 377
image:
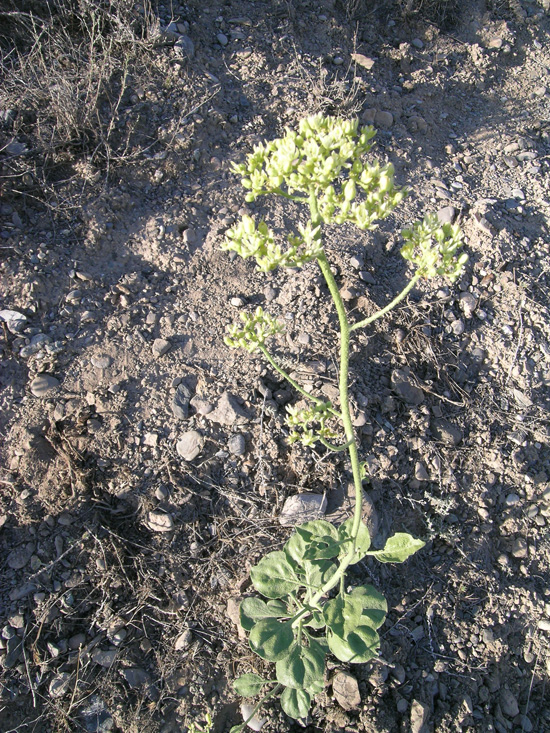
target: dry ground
119 557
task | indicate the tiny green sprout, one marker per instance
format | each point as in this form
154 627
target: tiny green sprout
304 609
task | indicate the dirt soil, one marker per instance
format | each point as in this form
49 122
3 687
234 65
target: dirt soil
124 544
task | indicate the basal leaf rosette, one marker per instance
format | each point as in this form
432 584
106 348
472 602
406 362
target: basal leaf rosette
433 248
253 331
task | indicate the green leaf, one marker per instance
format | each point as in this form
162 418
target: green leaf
252 610
358 646
271 639
236 729
362 543
318 572
274 576
295 703
375 606
343 613
249 685
398 548
316 621
303 667
313 540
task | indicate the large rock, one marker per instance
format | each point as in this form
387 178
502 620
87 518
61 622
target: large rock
190 445
302 508
227 411
346 690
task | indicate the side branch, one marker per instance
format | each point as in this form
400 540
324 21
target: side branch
375 316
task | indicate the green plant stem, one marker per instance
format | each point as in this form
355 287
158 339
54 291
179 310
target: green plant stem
335 448
375 316
273 692
301 390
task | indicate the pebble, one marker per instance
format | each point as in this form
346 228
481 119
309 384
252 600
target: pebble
383 119
161 346
236 444
20 556
519 548
468 304
181 401
446 215
102 361
458 327
420 713
512 500
362 60
302 508
59 684
202 406
135 677
183 641
190 445
404 388
508 703
105 658
160 522
402 705
346 690
222 39
96 717
446 432
544 624
417 43
14 320
228 411
420 472
43 384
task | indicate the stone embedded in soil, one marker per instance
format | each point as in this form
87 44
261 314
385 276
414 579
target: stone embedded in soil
181 401
508 703
403 386
190 445
13 320
222 39
383 119
96 717
446 432
346 690
236 445
135 677
468 303
302 508
227 411
20 556
362 60
183 641
43 384
232 612
14 652
420 714
161 346
446 215
255 723
160 522
102 361
202 406
519 548
420 472
60 685
105 658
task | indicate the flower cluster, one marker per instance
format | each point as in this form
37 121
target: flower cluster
432 247
301 419
250 241
254 331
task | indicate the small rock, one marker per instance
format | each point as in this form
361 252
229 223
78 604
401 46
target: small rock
14 320
508 703
468 304
181 400
190 445
362 60
544 624
255 723
184 46
102 361
346 690
151 440
402 384
417 43
446 432
20 556
160 522
420 472
43 384
14 652
420 713
135 677
383 119
183 641
458 327
227 411
202 406
222 39
105 658
302 508
402 705
236 444
59 685
233 614
161 346
512 500
519 548
96 717
237 302
76 641
446 215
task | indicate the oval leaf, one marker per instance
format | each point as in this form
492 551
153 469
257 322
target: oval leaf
375 606
342 614
273 576
303 668
252 610
398 548
295 703
271 639
313 540
359 646
362 543
248 685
